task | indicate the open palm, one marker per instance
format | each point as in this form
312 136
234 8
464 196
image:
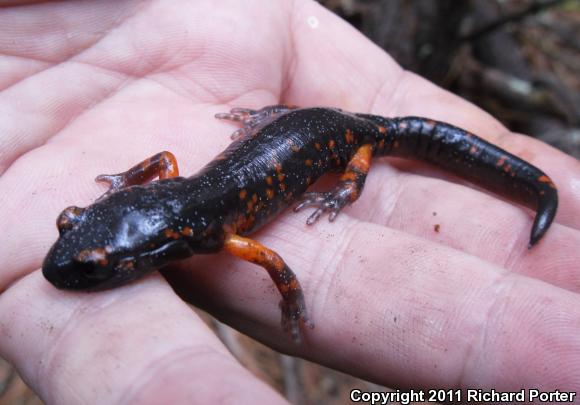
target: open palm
95 87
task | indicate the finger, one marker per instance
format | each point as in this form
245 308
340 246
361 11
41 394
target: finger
358 76
45 85
135 344
109 58
412 313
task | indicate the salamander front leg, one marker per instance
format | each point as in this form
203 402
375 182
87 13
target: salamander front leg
292 304
162 165
253 120
347 191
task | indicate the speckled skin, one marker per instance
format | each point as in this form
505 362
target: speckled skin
279 152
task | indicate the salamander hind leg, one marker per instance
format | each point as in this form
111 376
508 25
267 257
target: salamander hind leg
253 120
292 304
347 191
162 165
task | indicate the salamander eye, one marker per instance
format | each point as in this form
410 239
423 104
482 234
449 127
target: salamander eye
93 263
68 218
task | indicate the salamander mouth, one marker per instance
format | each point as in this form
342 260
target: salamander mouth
119 277
90 271
131 268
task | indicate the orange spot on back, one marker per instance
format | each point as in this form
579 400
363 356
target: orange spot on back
546 180
349 136
187 231
170 233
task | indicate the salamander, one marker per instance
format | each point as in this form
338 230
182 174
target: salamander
140 225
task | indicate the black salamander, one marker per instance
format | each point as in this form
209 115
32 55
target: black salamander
140 225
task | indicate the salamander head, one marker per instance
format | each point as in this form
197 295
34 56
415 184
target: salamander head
115 241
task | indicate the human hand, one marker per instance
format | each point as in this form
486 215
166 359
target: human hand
100 86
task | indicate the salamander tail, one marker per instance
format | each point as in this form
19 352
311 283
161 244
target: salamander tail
547 207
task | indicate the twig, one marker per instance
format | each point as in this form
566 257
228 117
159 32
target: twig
540 95
567 34
292 386
508 18
5 383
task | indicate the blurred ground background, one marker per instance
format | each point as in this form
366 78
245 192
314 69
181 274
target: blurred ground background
517 59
